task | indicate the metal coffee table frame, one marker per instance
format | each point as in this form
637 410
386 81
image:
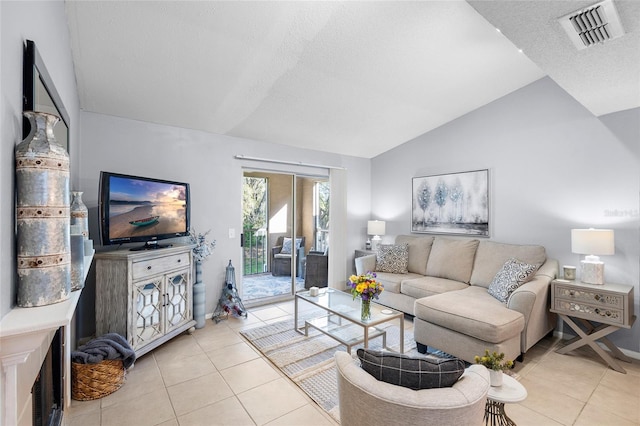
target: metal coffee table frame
343 322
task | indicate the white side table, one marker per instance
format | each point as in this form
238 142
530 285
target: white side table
511 391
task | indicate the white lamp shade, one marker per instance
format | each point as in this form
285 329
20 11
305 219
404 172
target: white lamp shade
592 241
376 227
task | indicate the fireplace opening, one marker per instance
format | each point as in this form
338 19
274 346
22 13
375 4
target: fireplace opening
47 391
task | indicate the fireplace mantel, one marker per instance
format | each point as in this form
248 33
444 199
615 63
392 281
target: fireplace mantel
25 335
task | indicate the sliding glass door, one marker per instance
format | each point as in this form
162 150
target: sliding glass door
284 218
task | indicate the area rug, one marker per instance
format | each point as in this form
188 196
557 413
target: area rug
266 285
309 361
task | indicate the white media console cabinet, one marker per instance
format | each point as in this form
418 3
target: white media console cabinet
145 296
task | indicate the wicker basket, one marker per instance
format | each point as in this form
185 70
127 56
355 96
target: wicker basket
94 381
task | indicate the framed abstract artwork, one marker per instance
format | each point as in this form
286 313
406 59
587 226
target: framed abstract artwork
454 203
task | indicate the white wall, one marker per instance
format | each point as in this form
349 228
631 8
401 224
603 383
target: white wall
207 162
45 23
553 167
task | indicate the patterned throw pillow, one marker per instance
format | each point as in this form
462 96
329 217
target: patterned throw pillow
512 275
425 372
286 245
392 258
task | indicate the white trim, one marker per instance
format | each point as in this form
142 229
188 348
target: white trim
337 228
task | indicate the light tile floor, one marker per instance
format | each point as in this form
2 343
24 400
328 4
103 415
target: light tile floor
215 377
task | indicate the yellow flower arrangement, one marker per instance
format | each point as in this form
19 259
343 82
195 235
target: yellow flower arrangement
365 286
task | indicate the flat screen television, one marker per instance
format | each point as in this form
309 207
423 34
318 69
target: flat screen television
141 209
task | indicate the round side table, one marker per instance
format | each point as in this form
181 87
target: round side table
510 391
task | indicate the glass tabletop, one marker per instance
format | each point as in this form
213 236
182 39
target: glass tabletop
343 304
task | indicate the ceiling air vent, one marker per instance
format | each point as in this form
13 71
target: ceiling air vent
592 25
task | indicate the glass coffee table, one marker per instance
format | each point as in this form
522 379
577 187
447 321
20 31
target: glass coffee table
342 321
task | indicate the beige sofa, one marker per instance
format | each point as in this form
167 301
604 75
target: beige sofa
368 402
446 289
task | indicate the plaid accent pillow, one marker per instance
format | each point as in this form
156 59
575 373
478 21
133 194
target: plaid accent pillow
425 372
512 275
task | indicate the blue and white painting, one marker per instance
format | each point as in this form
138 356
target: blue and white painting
455 203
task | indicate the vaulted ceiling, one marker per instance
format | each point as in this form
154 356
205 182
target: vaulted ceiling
355 78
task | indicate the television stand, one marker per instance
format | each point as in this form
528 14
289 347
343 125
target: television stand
150 245
145 296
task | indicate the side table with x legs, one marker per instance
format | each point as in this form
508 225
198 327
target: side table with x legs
594 312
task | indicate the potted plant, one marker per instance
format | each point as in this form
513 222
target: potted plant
496 363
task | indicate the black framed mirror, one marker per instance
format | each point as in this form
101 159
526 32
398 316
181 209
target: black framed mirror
40 94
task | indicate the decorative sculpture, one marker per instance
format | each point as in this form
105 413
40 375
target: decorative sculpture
230 302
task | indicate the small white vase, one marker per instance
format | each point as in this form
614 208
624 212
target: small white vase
495 377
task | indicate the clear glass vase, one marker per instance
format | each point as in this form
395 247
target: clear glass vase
365 310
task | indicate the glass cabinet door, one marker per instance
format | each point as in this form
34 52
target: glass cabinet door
148 303
178 305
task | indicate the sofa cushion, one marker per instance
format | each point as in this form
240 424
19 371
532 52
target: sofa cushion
419 249
423 372
392 258
473 312
512 275
490 257
392 282
452 259
428 286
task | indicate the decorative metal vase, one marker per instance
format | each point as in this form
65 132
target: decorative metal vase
365 310
42 212
199 297
80 214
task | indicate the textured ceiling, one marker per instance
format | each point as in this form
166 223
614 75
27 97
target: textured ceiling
605 78
356 78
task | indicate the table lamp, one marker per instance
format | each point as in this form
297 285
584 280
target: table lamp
592 242
375 228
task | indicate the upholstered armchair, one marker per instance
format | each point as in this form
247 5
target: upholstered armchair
367 401
316 269
281 255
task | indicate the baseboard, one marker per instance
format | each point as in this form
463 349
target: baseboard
627 352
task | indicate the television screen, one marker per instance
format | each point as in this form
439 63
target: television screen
140 209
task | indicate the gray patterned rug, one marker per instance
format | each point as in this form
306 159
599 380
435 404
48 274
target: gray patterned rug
308 361
266 285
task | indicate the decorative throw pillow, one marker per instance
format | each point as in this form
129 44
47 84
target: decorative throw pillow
425 372
286 246
287 243
512 275
392 258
